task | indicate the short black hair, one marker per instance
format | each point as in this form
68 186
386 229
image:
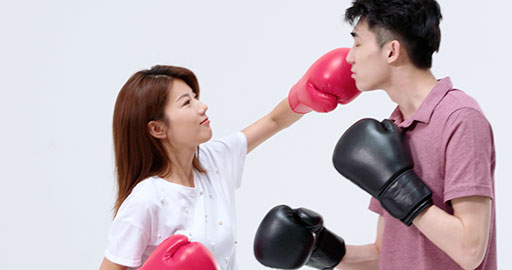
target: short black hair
414 23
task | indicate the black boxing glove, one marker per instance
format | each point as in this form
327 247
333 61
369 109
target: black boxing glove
290 238
375 156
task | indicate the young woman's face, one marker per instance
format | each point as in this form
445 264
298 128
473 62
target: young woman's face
368 59
188 124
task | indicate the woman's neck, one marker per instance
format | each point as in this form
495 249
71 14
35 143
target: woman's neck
181 166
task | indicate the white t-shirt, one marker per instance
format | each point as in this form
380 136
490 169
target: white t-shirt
157 209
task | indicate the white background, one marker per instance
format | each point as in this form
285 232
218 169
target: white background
62 64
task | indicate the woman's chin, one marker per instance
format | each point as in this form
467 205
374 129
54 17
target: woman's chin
206 136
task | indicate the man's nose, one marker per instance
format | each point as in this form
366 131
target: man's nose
350 57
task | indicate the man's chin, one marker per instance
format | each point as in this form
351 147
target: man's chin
365 88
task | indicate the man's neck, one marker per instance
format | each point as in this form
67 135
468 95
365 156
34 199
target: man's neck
409 87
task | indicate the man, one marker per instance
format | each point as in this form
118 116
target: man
450 139
430 167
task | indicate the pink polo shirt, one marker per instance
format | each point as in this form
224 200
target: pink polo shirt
453 151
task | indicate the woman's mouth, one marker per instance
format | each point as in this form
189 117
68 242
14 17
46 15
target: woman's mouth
205 121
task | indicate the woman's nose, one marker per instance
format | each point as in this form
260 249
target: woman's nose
203 107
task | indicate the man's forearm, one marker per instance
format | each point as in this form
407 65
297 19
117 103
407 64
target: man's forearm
360 257
462 236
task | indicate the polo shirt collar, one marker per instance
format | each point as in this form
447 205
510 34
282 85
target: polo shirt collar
424 112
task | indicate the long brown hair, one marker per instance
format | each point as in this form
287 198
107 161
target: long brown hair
142 99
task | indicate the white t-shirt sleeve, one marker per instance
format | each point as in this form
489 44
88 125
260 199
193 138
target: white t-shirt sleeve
129 233
227 154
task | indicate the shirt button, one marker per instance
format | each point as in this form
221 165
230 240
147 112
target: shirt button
227 259
159 236
236 242
162 200
220 222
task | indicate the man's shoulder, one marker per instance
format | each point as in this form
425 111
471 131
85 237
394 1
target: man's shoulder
458 109
456 104
455 100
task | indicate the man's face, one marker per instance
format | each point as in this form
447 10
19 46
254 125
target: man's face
369 62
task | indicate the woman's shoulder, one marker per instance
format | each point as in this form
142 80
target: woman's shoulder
225 146
225 141
143 196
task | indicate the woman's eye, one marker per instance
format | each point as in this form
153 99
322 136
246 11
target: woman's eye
186 102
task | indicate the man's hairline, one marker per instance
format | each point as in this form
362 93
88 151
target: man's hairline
374 29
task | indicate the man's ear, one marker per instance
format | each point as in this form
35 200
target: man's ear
394 50
157 129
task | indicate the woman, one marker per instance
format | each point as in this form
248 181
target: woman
171 179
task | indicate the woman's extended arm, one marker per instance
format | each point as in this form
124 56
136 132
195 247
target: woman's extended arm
281 117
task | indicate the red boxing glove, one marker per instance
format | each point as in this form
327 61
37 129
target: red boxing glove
178 253
326 83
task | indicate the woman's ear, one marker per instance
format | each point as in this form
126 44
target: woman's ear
157 129
394 49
